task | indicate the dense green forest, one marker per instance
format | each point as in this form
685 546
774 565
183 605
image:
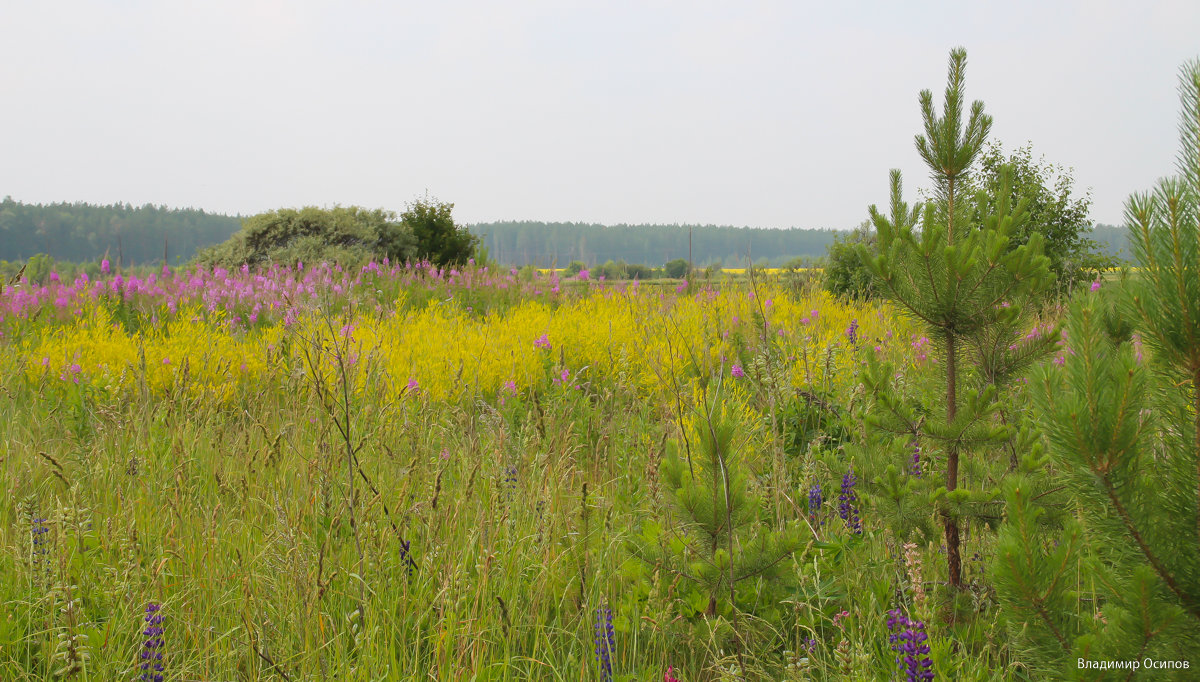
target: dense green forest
80 232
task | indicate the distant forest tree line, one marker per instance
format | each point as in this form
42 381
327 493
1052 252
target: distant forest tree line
541 244
80 232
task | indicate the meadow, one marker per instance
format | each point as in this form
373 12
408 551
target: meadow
406 472
477 473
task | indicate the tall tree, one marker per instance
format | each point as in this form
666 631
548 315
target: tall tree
965 285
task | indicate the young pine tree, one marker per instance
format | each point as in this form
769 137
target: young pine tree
723 537
1124 431
952 270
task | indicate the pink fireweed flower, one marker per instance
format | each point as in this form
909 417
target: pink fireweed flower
682 287
1096 285
542 341
413 386
737 371
583 275
104 268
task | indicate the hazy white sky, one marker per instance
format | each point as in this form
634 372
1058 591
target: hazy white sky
749 113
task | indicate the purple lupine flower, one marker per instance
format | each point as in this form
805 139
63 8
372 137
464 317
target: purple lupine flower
852 332
605 642
815 498
406 558
39 530
848 503
510 481
152 648
915 468
908 639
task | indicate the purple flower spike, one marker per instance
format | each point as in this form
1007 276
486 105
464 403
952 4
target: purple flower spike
815 498
908 640
152 647
605 642
848 503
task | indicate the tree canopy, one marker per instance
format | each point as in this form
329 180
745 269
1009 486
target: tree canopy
438 238
1055 212
340 234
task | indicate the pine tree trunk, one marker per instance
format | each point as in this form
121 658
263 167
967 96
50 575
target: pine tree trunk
953 559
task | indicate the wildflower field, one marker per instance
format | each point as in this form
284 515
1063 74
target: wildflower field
404 472
394 472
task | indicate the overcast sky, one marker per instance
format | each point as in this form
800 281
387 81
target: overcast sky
744 113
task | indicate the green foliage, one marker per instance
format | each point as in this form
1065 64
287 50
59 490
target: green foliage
639 271
613 271
1062 219
38 268
676 269
846 273
438 238
345 235
722 542
1124 434
960 276
1043 607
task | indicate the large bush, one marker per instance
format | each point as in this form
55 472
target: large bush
340 234
1054 212
438 237
845 272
